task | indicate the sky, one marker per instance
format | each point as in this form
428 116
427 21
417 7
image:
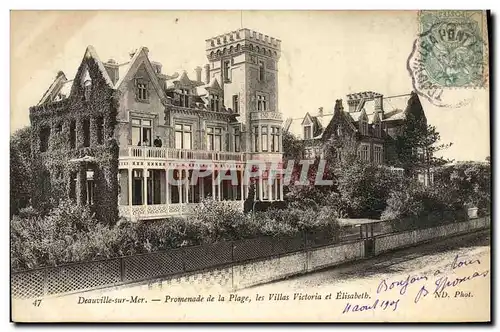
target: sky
325 55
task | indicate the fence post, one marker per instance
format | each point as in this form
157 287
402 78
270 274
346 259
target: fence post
122 269
306 251
183 259
45 282
232 266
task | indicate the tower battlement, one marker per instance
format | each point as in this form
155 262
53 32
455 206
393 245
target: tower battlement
243 40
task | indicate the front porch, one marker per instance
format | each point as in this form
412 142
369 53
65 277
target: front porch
163 182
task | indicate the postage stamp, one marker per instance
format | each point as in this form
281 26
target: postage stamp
450 53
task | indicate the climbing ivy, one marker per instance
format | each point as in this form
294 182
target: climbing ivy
54 168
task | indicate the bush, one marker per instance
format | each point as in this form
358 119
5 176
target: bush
219 221
170 233
71 233
39 240
469 183
364 188
415 205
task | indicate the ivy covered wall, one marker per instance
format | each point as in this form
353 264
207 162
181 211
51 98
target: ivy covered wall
89 116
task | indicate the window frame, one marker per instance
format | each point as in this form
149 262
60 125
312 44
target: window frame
214 102
275 139
378 154
364 151
184 98
141 91
262 70
264 138
184 132
237 139
262 102
214 132
141 127
309 126
236 102
256 138
226 70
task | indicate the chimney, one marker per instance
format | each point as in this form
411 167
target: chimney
338 106
207 73
353 104
379 103
112 69
320 111
198 73
132 53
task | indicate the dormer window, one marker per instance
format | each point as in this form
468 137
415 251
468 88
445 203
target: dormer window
377 129
308 132
339 130
363 126
142 94
184 98
87 85
214 103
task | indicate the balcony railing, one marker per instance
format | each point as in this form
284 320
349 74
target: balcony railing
144 212
143 152
266 115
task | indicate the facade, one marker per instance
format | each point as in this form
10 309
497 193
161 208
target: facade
128 135
374 121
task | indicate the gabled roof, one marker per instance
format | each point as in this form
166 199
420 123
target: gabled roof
214 84
395 107
91 53
295 126
140 58
61 87
54 88
202 90
307 120
183 79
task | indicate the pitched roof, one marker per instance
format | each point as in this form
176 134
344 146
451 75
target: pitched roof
90 52
295 125
54 88
395 107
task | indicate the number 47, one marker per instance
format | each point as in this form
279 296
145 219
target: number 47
37 303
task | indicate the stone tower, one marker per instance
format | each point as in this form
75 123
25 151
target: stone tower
245 63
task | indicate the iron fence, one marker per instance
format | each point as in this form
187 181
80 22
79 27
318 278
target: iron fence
122 270
117 271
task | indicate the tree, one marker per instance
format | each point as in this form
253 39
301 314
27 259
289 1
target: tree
293 148
418 143
469 183
20 169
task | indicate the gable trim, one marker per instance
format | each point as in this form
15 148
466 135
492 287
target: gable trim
134 65
56 84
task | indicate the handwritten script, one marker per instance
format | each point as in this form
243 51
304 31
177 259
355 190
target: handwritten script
421 285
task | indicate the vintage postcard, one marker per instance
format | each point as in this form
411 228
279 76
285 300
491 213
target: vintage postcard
250 166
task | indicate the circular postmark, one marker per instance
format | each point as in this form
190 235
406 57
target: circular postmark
448 58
